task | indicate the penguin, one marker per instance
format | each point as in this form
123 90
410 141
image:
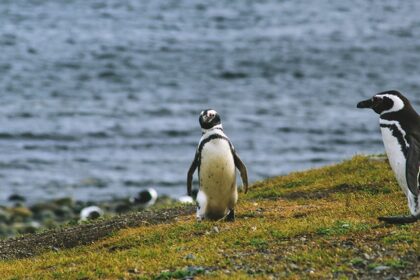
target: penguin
145 198
91 213
400 127
216 160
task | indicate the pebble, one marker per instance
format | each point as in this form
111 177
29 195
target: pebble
186 199
293 266
17 197
134 271
20 212
367 256
381 268
190 257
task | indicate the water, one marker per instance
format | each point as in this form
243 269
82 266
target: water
99 99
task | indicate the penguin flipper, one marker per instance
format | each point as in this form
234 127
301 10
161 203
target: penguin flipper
399 220
413 166
242 169
190 174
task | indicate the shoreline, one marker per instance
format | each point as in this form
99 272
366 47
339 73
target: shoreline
21 218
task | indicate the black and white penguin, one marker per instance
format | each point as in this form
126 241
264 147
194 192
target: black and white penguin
145 198
400 127
91 213
217 161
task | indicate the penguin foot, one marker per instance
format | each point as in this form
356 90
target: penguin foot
231 216
399 219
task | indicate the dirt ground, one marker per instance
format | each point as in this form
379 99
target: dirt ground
34 244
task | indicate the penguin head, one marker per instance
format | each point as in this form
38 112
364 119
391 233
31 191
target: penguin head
209 118
385 102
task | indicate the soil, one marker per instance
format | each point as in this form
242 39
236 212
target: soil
34 244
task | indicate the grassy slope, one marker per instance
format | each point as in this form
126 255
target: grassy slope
314 224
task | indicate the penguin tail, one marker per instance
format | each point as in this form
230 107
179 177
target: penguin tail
399 220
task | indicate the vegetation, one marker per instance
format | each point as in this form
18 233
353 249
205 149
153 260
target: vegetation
321 223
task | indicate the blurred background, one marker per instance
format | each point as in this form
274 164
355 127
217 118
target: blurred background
100 99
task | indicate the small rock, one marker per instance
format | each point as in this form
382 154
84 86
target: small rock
367 256
20 213
216 229
186 199
250 271
55 249
134 271
17 198
293 266
349 243
381 268
190 257
35 224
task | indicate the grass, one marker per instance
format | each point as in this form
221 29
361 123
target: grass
319 223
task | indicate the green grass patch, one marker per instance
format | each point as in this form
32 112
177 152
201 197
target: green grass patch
320 224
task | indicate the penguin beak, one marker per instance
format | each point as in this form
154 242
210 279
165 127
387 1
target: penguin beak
365 104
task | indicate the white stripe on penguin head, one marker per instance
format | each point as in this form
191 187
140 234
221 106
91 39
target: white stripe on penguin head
398 103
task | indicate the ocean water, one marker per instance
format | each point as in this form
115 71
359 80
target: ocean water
100 99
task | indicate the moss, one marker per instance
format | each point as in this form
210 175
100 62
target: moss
319 223
183 273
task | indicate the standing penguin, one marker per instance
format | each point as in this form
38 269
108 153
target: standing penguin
400 127
217 161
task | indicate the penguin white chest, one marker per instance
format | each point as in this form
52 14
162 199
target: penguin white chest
396 157
217 166
217 175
